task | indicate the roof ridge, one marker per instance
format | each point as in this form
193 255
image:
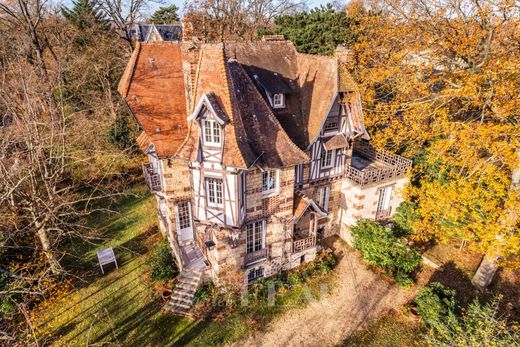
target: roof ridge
124 82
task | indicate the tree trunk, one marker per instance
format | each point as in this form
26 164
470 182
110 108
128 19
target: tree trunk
488 267
47 250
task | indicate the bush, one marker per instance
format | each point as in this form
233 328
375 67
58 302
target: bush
479 325
381 247
120 134
435 304
404 217
162 264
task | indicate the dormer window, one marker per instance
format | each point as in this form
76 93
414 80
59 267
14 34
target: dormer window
212 135
278 100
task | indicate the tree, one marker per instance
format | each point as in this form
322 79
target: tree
439 80
85 14
165 15
449 325
318 31
220 20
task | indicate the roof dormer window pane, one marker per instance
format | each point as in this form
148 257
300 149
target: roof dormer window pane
211 133
278 100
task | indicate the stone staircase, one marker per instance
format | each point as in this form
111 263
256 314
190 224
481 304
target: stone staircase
182 297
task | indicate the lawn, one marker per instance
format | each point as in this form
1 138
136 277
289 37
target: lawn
121 307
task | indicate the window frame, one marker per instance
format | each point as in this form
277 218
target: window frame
323 158
255 233
212 192
335 120
215 131
184 204
324 197
385 198
258 273
276 187
281 101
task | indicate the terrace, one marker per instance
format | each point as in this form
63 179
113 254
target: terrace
369 166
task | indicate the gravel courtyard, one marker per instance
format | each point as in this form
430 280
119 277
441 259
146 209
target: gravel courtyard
358 296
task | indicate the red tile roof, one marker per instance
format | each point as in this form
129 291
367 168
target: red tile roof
153 86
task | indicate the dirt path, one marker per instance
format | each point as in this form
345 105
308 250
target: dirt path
358 296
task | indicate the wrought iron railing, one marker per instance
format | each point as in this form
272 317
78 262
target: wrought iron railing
303 244
255 256
152 178
397 166
384 214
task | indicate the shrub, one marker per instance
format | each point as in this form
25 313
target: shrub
404 217
479 325
435 304
381 247
120 134
162 264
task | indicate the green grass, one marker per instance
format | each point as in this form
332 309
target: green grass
388 331
121 308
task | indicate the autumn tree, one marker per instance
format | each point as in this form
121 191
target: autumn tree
219 20
165 15
440 81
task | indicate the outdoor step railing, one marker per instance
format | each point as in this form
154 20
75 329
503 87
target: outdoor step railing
384 214
255 256
303 244
152 178
399 166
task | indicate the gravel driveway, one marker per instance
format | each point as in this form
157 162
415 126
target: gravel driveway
359 295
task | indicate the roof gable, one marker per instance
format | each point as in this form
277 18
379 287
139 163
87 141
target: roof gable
209 101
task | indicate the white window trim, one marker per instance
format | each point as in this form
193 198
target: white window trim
324 198
189 214
212 125
263 224
385 198
332 158
281 103
207 184
276 188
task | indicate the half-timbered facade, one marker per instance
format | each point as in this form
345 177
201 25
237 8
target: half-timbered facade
256 152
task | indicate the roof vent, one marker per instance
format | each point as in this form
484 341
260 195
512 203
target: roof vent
273 38
158 130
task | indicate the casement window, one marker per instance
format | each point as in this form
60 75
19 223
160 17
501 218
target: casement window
324 195
214 189
255 236
270 181
255 274
327 160
278 101
385 195
298 174
184 215
212 134
331 123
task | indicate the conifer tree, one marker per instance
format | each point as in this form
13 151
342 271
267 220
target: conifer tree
165 15
85 14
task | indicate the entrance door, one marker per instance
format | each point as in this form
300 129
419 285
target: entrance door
184 223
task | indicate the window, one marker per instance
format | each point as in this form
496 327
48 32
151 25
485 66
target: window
255 236
331 123
385 194
214 191
184 215
278 101
255 274
326 159
324 194
270 181
211 132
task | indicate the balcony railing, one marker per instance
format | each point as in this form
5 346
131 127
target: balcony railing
303 244
397 166
255 256
384 214
152 178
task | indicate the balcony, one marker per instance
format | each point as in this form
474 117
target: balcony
152 178
303 244
255 256
369 166
384 214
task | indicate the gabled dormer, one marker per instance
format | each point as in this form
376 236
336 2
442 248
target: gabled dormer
211 120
